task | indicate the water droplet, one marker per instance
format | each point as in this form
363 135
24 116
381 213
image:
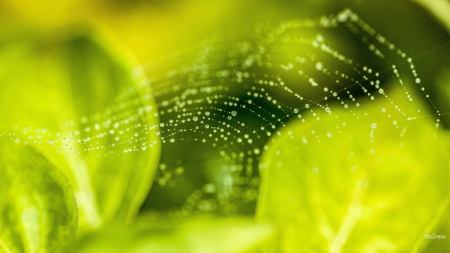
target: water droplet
418 80
234 113
319 66
315 170
179 171
195 119
50 141
144 147
172 140
306 105
381 91
373 125
295 110
312 82
162 181
256 151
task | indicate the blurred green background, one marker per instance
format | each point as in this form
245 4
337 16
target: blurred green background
153 29
150 31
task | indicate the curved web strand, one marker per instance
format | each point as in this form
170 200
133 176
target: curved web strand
220 103
222 106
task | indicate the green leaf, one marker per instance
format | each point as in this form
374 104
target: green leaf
231 235
439 9
373 178
437 244
38 212
85 110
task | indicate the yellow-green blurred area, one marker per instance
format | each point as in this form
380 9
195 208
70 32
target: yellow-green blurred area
375 184
334 208
152 29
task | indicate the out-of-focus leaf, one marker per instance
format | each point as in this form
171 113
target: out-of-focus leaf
38 211
231 235
82 107
438 244
438 240
346 184
440 9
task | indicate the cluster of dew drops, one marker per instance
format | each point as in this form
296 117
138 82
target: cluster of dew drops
229 98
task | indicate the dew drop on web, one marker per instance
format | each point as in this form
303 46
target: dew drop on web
220 104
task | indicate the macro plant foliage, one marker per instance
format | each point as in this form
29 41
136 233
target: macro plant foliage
352 204
311 134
